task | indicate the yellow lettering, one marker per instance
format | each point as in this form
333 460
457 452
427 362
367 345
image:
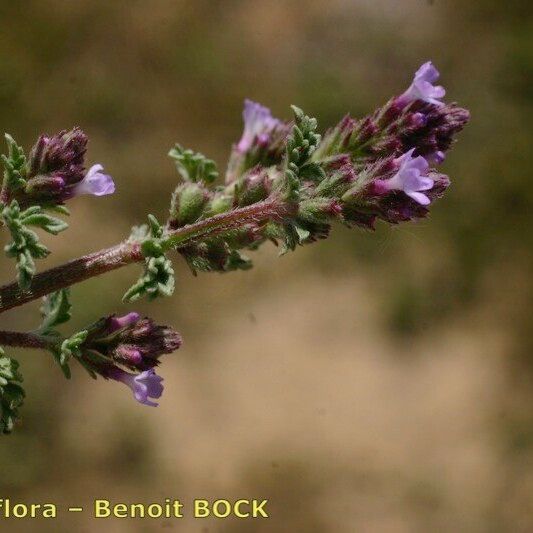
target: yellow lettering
137 507
201 508
120 510
154 510
225 504
101 508
237 506
257 509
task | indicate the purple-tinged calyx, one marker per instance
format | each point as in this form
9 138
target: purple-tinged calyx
95 182
411 178
423 88
60 155
263 141
56 171
129 341
145 386
258 125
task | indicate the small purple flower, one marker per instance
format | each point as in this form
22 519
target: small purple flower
144 386
116 323
129 354
258 124
95 182
435 158
422 87
411 178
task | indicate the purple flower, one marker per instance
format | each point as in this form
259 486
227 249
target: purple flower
422 87
258 124
411 178
263 141
435 158
144 386
95 182
118 322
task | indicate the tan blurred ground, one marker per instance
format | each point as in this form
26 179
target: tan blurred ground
373 382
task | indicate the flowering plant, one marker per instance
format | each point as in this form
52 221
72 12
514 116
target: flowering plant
284 183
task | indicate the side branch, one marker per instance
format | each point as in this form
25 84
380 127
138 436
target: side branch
125 253
68 274
24 340
269 209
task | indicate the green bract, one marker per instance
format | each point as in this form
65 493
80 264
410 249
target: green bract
56 309
15 166
25 246
11 392
158 276
193 166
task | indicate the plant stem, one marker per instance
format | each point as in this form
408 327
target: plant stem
68 274
24 340
125 253
267 209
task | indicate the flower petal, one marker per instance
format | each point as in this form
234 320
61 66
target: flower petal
419 197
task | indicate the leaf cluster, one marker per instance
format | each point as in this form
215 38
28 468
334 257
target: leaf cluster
25 246
157 278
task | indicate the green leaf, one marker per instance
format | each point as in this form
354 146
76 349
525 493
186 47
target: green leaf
156 229
14 165
69 348
56 309
301 144
238 261
11 393
157 280
158 276
61 209
303 234
56 352
193 166
303 140
44 221
25 246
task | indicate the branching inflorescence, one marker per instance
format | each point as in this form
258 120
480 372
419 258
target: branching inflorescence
284 183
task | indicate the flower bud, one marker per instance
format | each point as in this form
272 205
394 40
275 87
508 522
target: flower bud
62 153
130 341
219 203
56 171
319 209
262 141
337 181
253 187
188 203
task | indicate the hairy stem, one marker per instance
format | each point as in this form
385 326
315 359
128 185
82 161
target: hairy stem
24 340
267 209
125 253
68 274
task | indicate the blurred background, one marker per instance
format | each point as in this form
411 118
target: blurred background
373 382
